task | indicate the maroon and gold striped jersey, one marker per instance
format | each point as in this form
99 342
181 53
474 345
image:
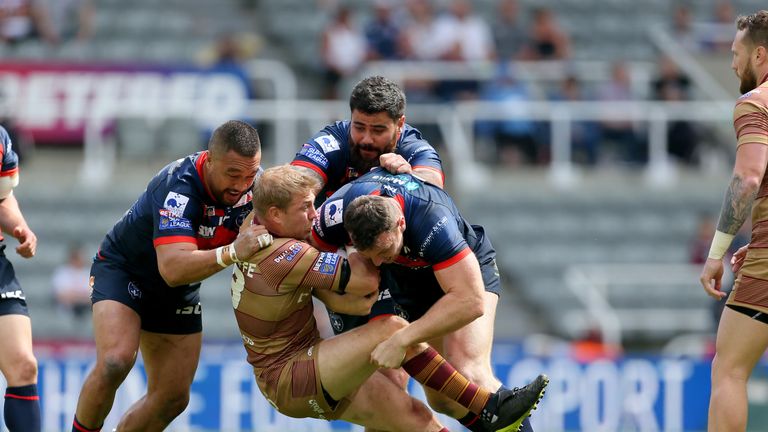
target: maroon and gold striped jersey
272 298
750 120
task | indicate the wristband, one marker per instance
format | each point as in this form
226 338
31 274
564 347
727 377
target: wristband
345 273
233 254
264 240
219 258
720 244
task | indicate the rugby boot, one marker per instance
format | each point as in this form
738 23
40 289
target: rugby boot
508 408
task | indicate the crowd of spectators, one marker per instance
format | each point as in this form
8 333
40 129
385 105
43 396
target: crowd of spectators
452 30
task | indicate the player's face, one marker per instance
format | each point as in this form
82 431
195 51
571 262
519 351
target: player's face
387 247
742 64
230 175
372 135
296 220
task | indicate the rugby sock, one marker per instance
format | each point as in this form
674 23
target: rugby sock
22 409
430 369
78 427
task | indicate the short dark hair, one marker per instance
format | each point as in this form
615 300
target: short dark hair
377 94
367 217
756 26
235 135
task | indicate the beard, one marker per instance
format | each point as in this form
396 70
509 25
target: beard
748 80
360 163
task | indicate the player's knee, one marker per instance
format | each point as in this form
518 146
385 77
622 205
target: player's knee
174 403
115 366
393 323
23 370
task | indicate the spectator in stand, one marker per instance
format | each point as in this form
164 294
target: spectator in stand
70 283
343 50
585 135
672 85
515 139
470 40
546 41
508 34
621 132
719 37
22 20
71 19
422 39
682 29
383 32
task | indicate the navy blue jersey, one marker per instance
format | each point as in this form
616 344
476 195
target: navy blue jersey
10 161
176 208
436 235
328 153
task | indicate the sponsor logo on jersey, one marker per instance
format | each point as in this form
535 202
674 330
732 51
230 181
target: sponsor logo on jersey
328 143
388 190
384 294
289 254
206 231
412 185
168 221
175 203
314 155
399 180
750 93
247 340
333 213
326 263
436 228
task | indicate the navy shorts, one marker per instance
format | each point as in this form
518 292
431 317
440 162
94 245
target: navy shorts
409 293
12 300
162 309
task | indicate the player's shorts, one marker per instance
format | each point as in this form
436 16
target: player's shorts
294 388
163 309
12 300
750 290
409 294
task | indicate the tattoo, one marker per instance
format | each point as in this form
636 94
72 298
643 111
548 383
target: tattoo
736 206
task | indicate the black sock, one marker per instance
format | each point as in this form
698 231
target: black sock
22 409
78 427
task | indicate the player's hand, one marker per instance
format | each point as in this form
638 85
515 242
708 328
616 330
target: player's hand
27 241
252 238
712 278
394 163
389 354
737 260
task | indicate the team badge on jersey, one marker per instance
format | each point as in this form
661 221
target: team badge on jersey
328 143
333 213
175 203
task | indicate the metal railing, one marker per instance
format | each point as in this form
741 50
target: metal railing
596 286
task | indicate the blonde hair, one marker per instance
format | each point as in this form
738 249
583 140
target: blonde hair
277 186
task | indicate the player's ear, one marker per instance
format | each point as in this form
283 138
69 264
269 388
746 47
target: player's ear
401 223
760 54
274 213
401 121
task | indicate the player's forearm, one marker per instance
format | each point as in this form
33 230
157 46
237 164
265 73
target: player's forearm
191 266
429 175
349 304
450 313
737 204
10 215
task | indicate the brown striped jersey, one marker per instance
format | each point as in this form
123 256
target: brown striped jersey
750 120
272 297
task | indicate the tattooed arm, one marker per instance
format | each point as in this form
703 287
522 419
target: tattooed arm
745 183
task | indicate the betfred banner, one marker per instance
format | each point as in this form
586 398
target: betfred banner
54 101
643 394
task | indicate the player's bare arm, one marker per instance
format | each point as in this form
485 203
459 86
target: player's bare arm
396 164
747 175
183 263
314 174
461 304
13 223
